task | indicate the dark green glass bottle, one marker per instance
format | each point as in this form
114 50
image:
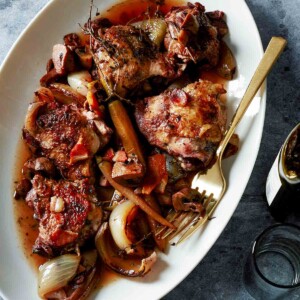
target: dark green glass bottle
283 182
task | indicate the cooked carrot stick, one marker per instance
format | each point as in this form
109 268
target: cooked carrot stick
106 168
125 130
160 243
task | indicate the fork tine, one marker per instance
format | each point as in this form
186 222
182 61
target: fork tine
190 219
202 195
201 221
170 217
178 238
184 221
181 217
208 200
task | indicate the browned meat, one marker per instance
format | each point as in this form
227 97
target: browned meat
125 56
187 122
85 58
41 165
22 188
126 167
191 36
65 135
187 199
125 171
72 40
66 212
49 77
63 59
49 65
217 20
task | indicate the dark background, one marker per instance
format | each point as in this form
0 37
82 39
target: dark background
219 275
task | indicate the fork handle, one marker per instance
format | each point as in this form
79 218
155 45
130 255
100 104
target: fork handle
274 49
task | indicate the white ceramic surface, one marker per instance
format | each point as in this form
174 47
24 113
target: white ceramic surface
19 77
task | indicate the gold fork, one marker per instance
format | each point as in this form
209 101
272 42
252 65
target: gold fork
213 182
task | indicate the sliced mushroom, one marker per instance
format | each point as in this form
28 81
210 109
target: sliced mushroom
187 199
72 40
217 20
50 77
82 169
22 188
227 65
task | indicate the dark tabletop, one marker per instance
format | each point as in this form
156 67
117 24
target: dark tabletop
219 275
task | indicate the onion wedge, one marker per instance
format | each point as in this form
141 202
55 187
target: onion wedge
65 94
117 225
56 273
108 251
79 81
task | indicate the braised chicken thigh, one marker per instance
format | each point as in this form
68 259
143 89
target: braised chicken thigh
125 57
65 135
66 212
186 122
191 36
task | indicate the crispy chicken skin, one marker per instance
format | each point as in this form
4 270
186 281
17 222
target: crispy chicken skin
125 57
191 36
188 123
66 212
